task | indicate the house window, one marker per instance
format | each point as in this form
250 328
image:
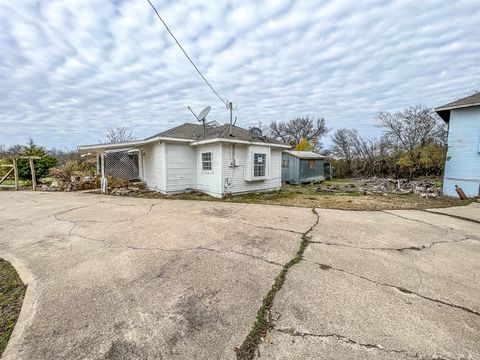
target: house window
285 163
259 164
207 161
312 164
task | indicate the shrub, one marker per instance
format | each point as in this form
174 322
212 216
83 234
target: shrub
65 172
42 165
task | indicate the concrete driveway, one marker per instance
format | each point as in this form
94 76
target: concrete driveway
125 278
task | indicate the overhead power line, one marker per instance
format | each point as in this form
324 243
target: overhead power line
188 57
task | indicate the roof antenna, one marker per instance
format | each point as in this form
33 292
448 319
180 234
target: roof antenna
231 107
201 117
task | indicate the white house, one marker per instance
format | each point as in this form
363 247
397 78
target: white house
217 160
462 166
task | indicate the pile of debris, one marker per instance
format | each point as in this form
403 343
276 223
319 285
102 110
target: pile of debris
127 187
75 183
424 188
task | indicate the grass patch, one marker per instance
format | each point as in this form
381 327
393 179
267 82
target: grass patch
308 196
12 291
263 322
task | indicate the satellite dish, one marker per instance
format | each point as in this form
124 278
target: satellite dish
203 114
255 132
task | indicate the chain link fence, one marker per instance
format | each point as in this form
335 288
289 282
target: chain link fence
122 165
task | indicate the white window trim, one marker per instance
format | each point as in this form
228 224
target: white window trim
211 162
265 166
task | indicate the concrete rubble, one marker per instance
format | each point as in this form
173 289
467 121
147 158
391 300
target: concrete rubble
74 183
126 187
425 188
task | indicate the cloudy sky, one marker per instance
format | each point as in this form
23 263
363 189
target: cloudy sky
71 69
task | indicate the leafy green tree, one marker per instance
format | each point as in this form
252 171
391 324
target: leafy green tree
42 165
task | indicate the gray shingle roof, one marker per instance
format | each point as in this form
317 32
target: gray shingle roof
304 154
469 101
472 100
195 132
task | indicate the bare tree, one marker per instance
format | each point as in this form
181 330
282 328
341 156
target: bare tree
411 130
344 143
119 134
293 131
11 150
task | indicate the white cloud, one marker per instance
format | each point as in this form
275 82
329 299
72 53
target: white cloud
71 69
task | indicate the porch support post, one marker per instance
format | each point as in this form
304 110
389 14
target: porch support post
103 180
99 159
140 164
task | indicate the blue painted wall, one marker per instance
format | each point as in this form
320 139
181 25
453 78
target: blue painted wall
298 170
462 167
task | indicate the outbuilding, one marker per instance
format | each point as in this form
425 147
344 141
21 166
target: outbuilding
462 165
300 167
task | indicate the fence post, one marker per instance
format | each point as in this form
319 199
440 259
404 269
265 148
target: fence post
15 173
32 170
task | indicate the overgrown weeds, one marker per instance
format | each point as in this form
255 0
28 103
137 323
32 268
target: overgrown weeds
12 291
263 320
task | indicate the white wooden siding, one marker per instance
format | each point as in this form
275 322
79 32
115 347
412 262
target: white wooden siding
210 182
180 167
155 166
234 177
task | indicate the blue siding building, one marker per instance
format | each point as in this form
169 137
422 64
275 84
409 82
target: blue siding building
300 167
462 166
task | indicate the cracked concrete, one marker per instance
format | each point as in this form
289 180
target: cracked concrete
381 285
136 278
470 212
132 278
115 277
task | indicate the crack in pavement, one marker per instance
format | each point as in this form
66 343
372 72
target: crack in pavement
109 245
451 215
344 339
270 228
399 288
415 220
406 248
33 221
197 248
239 253
263 322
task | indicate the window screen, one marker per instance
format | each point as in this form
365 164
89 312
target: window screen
259 164
207 161
312 164
285 163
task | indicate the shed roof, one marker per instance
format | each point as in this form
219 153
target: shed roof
469 101
304 154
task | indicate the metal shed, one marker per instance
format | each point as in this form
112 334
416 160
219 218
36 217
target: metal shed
302 167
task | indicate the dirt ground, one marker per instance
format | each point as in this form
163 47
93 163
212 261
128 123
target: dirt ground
308 196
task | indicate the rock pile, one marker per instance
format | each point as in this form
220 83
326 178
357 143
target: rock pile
384 186
75 183
128 188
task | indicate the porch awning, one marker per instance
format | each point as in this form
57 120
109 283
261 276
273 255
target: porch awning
128 145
